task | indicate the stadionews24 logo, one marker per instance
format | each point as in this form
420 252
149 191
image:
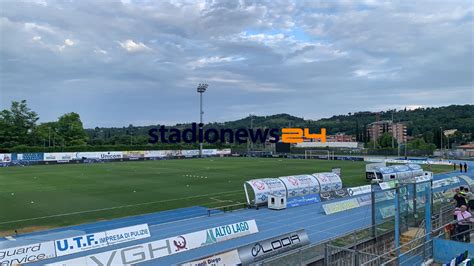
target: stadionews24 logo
242 135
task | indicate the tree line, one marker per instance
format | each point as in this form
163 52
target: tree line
20 130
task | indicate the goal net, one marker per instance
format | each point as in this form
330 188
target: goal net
317 154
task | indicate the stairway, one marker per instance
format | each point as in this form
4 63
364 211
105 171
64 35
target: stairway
411 234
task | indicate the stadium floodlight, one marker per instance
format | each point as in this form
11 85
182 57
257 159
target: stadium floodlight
201 89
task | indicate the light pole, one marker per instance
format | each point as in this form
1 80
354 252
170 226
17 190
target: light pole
201 89
441 146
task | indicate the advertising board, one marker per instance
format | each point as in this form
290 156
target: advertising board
164 247
97 240
133 154
273 246
340 206
302 200
226 258
32 157
5 157
106 155
155 154
364 200
354 191
59 156
27 254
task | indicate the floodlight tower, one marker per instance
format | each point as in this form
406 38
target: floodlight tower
201 89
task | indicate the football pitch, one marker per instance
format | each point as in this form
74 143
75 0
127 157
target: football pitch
46 196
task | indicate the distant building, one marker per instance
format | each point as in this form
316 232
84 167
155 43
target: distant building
340 137
346 145
466 150
398 130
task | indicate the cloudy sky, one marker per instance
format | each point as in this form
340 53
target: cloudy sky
139 62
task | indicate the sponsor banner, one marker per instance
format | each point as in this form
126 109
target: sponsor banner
339 206
133 154
364 200
190 153
302 200
388 184
354 191
155 154
422 178
224 152
226 258
127 234
273 246
5 157
387 195
377 160
111 155
82 243
445 182
30 157
26 254
165 247
60 156
209 152
331 195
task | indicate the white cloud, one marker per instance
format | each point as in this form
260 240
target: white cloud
69 42
100 51
31 26
133 47
213 60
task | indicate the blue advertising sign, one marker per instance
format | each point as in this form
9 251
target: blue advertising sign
30 156
302 200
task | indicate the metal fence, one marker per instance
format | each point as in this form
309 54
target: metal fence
374 245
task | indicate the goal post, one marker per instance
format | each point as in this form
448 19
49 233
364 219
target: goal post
317 154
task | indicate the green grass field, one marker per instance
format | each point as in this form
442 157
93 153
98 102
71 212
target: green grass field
27 194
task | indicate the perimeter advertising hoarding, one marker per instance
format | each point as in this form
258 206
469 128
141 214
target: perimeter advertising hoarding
364 200
165 247
270 247
28 253
106 155
224 152
331 195
340 206
354 191
302 200
377 160
133 154
155 154
226 258
59 156
97 240
32 157
5 157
